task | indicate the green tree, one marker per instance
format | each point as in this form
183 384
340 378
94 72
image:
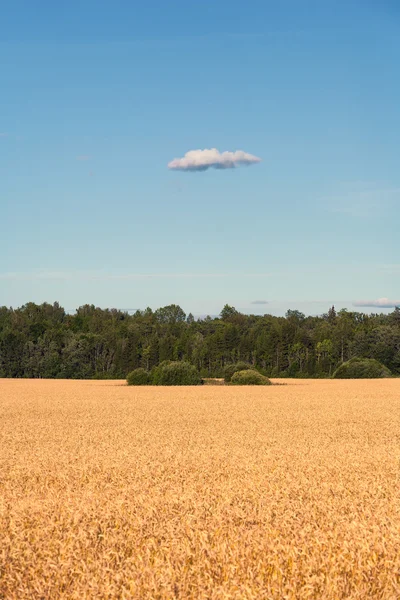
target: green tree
394 317
228 312
170 314
324 355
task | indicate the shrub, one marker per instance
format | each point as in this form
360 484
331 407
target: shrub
138 377
230 370
176 373
361 368
249 377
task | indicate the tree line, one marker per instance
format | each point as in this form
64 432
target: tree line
44 341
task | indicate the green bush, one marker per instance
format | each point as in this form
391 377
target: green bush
230 370
176 373
361 368
138 377
249 377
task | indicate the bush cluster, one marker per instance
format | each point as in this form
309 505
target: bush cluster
249 377
176 373
361 368
183 373
167 373
138 377
230 370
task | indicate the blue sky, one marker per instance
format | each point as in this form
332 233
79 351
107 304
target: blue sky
97 98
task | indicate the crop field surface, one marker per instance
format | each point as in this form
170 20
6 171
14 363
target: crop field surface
276 492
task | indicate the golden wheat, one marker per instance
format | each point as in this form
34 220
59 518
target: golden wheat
286 492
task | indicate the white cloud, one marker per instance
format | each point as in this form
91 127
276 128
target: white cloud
379 303
83 157
201 160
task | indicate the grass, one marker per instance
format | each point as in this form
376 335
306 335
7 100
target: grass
110 491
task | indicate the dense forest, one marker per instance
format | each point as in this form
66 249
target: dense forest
44 341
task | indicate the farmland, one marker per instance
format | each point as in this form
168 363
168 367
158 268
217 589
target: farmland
211 492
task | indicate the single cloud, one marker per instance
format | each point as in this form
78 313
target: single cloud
3 134
83 157
379 303
259 302
201 160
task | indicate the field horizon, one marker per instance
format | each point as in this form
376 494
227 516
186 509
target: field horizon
116 491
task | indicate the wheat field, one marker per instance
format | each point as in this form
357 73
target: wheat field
285 492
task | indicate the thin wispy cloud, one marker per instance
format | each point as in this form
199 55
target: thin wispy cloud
3 134
83 157
201 160
379 303
391 269
259 302
362 199
186 275
44 274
